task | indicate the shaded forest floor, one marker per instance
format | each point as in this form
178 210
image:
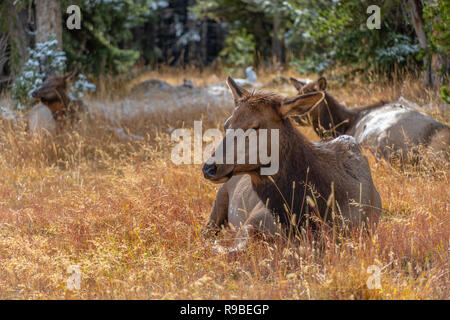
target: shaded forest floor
131 220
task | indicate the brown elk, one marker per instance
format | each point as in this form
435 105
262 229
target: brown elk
389 129
251 201
53 94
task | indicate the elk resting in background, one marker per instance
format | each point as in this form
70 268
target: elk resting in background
390 130
54 101
325 173
40 121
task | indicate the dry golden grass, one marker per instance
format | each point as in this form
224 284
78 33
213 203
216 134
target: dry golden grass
131 220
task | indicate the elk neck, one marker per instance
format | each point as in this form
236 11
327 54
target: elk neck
299 163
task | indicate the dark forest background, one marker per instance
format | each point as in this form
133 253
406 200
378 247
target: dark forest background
312 36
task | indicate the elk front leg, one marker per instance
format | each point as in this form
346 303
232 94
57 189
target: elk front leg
219 213
261 220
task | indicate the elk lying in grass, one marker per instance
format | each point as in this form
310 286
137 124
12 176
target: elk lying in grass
54 102
390 130
327 173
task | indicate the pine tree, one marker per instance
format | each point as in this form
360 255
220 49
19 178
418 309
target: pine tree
100 46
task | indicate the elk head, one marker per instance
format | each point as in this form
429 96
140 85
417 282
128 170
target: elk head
253 133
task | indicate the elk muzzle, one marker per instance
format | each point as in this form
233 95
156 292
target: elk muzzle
209 170
217 173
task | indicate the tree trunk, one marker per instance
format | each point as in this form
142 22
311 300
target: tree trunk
204 42
17 36
276 43
48 21
417 20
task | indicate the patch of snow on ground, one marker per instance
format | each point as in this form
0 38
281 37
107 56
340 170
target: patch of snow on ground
165 98
6 113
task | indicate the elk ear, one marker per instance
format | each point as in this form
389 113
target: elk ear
297 84
300 104
322 83
51 75
237 91
68 77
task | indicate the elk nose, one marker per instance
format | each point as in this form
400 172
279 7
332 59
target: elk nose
209 170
